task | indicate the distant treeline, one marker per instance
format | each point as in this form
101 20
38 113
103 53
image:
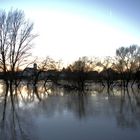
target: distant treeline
124 67
16 36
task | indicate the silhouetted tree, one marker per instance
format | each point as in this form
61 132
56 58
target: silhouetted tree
15 42
80 67
84 64
127 62
43 67
107 73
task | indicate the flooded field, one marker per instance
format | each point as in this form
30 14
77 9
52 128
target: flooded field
64 114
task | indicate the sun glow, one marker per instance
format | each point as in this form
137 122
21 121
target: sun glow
67 36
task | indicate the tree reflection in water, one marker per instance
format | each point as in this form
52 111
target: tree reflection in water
12 124
129 109
19 103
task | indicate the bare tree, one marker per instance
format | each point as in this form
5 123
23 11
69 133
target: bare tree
45 65
15 40
84 64
105 63
107 74
49 64
127 62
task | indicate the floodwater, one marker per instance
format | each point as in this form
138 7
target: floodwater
64 114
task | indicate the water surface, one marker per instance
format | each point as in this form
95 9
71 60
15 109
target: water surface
73 115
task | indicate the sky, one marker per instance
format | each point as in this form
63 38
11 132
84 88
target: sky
69 29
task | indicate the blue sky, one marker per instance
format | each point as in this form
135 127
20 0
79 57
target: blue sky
74 28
